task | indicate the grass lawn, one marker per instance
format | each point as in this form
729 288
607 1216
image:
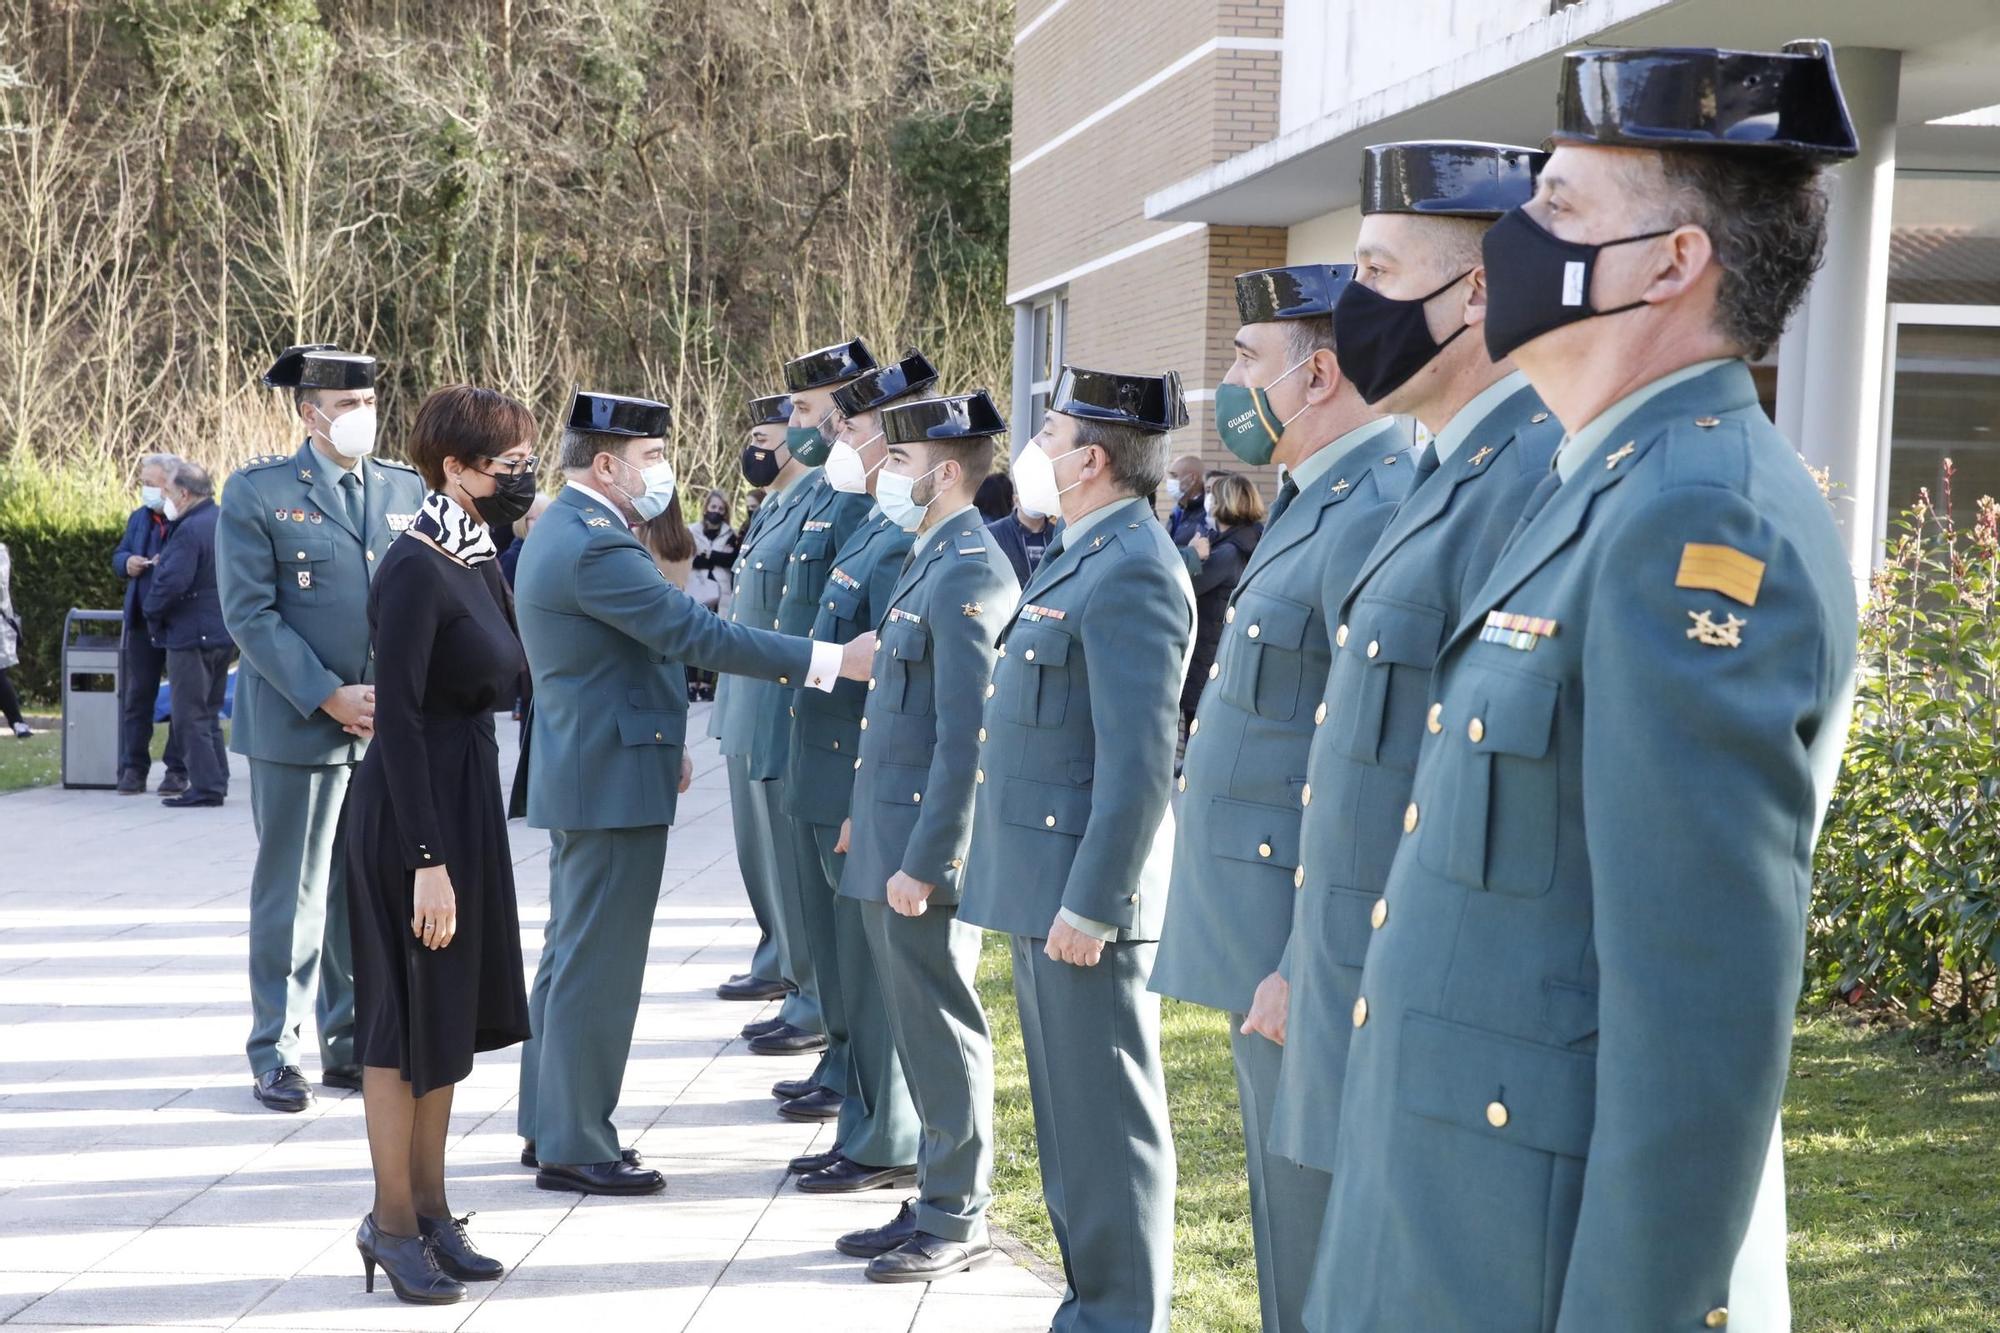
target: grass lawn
1891 1156
37 761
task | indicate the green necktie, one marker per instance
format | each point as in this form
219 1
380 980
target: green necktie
350 490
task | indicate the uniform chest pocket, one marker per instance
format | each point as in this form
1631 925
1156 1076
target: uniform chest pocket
810 560
903 670
304 565
1386 652
1263 652
757 583
843 604
1034 689
1493 822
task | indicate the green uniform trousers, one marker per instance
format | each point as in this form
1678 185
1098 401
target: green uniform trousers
604 885
298 914
752 824
812 852
797 964
1287 1201
927 967
1092 1037
878 1122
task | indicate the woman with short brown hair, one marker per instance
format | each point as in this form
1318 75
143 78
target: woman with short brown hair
437 937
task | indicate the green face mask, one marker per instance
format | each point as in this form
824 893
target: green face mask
1249 428
808 444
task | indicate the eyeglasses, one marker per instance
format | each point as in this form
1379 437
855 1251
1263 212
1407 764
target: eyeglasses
510 467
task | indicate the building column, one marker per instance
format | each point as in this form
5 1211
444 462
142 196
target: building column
1831 386
1024 372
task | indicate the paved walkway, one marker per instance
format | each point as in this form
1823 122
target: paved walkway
140 1185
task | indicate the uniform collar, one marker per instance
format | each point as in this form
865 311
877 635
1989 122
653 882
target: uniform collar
1074 529
1483 405
332 467
946 520
579 486
1320 461
1582 444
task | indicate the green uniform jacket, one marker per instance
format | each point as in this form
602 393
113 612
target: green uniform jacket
1244 772
1575 1020
814 527
729 689
1080 722
913 783
607 637
826 726
293 575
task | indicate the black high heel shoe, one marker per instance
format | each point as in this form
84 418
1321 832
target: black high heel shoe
455 1251
411 1263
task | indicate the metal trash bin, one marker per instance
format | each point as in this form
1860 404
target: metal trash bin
90 698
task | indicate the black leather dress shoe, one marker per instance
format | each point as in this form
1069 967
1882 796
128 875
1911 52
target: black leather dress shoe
341 1076
600 1178
131 783
758 1029
629 1156
924 1258
751 988
791 1089
868 1243
819 1104
189 801
850 1177
173 784
814 1161
283 1089
455 1251
788 1040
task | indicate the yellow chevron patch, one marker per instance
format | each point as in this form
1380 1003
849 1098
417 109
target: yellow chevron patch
1722 569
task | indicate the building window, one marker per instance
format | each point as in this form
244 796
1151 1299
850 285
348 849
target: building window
1945 403
1046 317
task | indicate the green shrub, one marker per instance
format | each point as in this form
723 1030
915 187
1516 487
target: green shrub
60 527
1907 892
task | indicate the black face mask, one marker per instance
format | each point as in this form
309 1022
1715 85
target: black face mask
1380 342
512 498
712 519
760 466
1537 282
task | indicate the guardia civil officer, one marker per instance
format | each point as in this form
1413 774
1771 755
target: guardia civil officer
1242 780
764 462
608 638
913 792
877 1133
1072 836
1572 1031
802 542
295 547
1410 322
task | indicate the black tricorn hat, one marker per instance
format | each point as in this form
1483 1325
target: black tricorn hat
961 417
284 372
336 370
885 384
771 410
1442 178
1701 97
613 414
1302 291
829 365
1150 402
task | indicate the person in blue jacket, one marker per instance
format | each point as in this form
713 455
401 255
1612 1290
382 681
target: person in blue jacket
184 610
141 662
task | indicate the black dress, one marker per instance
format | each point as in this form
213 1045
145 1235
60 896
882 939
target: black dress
1227 556
428 793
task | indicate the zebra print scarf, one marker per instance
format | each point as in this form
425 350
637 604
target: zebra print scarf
460 535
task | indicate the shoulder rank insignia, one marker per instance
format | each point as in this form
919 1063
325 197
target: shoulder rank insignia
1097 541
1341 487
973 608
1620 454
305 474
1722 569
1521 633
1485 452
1729 634
597 522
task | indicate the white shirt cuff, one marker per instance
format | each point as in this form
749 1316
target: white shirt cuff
824 673
1097 930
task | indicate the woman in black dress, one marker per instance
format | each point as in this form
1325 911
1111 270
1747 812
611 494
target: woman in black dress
437 940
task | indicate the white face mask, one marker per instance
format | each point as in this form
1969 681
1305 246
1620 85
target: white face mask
844 469
152 497
1035 480
658 483
896 494
172 510
1172 486
352 434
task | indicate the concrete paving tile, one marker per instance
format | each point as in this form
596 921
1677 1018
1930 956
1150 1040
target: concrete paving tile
526 1305
152 1299
20 1289
951 1312
344 1303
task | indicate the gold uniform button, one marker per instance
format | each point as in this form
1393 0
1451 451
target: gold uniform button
1374 647
1340 637
1361 1011
658 737
1228 617
371 555
1182 780
1253 631
958 863
871 682
982 735
785 590
1410 818
1050 821
864 724
857 763
1214 670
1264 850
1319 714
1496 1116
979 776
1379 916
1435 722
1475 731
784 680
1194 726
1717 1318
829 606
990 689
836 745
1299 878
